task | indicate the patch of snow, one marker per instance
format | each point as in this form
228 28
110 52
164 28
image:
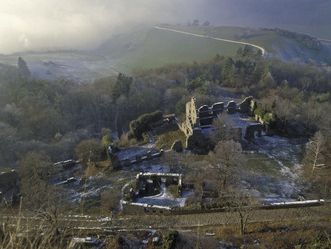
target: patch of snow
104 219
164 199
285 152
131 153
154 168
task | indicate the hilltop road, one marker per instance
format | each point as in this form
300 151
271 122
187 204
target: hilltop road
213 38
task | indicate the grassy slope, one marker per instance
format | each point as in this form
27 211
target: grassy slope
139 49
283 47
163 47
145 47
321 31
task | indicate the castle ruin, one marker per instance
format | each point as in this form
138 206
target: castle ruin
199 121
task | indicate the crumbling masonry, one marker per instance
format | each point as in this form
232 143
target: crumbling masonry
201 119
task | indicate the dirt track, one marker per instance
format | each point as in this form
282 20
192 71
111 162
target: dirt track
213 38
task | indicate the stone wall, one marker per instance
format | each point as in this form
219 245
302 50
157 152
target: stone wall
149 183
138 208
199 119
190 118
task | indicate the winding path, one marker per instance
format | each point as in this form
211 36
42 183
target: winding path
213 38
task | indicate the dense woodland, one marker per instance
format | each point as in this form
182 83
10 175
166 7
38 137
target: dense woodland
42 122
52 117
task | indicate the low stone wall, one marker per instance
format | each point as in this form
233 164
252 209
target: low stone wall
142 158
138 208
65 165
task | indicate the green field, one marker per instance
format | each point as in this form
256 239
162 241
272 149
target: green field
155 48
261 164
160 48
147 47
278 45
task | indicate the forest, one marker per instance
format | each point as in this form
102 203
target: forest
54 116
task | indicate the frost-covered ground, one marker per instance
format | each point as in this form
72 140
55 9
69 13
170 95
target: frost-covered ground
279 167
79 66
153 166
164 199
76 190
281 148
280 157
132 152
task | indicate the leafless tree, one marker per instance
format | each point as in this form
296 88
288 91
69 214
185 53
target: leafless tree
314 158
317 161
226 156
242 206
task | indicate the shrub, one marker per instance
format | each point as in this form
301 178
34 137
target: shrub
170 240
89 150
143 124
166 140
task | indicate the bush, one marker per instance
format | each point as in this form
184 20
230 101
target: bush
166 140
170 240
143 124
126 140
89 150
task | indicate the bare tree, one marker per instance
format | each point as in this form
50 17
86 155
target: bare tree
314 158
242 206
225 157
317 161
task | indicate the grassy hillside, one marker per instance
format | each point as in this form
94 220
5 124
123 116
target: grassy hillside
147 47
322 31
162 47
140 49
150 48
288 46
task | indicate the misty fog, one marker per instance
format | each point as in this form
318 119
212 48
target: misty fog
80 24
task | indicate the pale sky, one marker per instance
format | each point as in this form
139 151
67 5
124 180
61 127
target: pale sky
80 24
50 24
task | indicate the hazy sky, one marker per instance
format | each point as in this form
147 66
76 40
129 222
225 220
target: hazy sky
33 24
77 24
